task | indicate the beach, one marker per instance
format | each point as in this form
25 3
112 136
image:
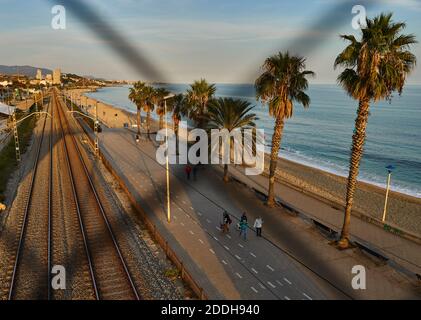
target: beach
404 211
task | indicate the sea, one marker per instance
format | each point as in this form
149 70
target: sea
321 135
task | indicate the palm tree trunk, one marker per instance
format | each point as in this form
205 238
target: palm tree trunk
138 121
161 121
358 140
176 135
148 122
226 173
276 145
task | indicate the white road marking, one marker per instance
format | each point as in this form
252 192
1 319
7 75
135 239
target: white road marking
262 286
218 228
208 221
228 236
182 224
212 251
271 284
180 209
224 262
240 245
192 208
199 213
307 296
254 270
252 288
287 281
238 275
227 248
238 257
201 241
270 268
280 283
191 232
252 254
215 238
286 298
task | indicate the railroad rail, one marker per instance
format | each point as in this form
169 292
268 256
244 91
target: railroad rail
32 262
109 272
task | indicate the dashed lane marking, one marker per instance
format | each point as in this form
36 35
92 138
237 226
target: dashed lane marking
254 270
227 248
271 284
238 275
287 298
252 288
287 281
212 251
252 254
201 241
224 262
238 257
307 296
270 268
191 232
240 245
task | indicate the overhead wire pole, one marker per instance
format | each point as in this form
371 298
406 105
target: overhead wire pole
96 130
167 165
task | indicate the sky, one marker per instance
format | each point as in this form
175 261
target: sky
224 41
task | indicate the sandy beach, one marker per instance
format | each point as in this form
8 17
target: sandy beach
404 211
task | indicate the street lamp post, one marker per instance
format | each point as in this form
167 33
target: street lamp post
389 168
167 160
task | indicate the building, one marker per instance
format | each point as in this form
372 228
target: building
57 76
39 75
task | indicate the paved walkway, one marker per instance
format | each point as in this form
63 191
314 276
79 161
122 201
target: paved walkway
294 261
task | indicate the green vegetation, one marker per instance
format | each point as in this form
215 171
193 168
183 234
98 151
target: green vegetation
8 161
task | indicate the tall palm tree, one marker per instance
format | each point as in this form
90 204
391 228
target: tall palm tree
282 82
178 108
198 96
230 114
148 106
158 100
138 97
375 66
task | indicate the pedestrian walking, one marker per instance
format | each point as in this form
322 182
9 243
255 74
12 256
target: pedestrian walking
226 221
243 228
258 226
243 217
187 169
195 172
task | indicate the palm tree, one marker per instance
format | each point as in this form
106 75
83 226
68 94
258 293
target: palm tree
198 96
375 66
230 114
178 108
148 106
282 82
158 100
137 96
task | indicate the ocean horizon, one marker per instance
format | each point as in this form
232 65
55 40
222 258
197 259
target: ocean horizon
321 135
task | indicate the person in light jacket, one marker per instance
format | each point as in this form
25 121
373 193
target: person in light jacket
258 226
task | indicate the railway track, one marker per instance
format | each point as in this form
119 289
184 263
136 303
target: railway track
110 276
32 262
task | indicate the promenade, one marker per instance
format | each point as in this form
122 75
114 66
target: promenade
293 261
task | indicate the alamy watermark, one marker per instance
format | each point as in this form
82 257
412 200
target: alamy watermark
359 21
58 21
240 147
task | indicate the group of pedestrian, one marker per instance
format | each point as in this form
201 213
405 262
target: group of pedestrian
189 169
242 225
